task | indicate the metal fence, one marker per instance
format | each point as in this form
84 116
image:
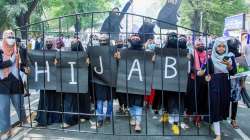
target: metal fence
90 23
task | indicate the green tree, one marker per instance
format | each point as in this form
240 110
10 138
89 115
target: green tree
57 8
211 12
17 13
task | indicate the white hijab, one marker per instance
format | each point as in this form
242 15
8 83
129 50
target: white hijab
218 58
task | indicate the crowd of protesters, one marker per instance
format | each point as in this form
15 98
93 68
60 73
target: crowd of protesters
214 68
209 88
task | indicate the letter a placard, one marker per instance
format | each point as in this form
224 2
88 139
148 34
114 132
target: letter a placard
135 72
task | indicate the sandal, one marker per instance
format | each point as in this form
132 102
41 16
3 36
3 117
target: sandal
197 121
218 137
234 124
5 136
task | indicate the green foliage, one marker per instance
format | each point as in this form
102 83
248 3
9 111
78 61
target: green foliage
8 12
56 8
214 12
46 9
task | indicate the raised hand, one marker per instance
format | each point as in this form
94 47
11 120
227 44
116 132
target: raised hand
87 61
117 55
27 70
153 58
208 78
200 72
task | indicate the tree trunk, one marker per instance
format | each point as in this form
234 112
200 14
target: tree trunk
23 19
196 20
196 17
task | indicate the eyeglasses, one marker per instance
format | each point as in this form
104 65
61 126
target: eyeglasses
11 37
102 40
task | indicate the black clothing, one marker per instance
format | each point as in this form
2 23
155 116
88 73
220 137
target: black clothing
112 23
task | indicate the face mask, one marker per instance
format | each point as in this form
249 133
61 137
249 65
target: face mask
10 42
200 49
182 43
119 45
103 43
95 43
151 46
136 43
49 47
235 51
237 54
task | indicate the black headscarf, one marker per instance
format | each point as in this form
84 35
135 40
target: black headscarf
146 31
76 46
136 44
172 40
182 42
233 46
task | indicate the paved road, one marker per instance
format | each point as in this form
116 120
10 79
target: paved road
122 128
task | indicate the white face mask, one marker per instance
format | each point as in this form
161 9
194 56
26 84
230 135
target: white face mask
10 41
95 43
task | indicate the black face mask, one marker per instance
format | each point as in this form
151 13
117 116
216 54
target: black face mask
235 51
182 43
49 47
172 40
119 45
200 49
237 54
137 44
104 43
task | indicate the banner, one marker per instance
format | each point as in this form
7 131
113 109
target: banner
103 64
135 71
170 72
70 74
247 53
235 22
43 70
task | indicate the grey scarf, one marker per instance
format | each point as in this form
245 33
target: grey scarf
218 58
